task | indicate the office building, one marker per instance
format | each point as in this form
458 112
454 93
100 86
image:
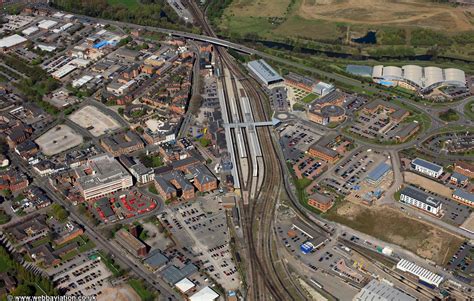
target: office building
426 167
102 175
418 198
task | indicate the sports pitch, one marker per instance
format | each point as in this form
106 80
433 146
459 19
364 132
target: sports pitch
58 139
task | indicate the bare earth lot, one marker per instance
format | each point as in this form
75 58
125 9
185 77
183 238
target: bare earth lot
94 120
58 139
394 227
382 12
120 293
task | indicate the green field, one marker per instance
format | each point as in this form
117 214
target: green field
127 3
144 293
309 98
449 116
469 110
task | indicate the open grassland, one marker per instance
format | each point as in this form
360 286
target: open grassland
126 3
338 20
395 227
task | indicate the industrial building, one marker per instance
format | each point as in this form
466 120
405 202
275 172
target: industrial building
381 290
205 294
423 79
264 72
12 41
418 198
428 168
424 276
101 175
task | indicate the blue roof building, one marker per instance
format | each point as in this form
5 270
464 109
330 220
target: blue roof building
378 173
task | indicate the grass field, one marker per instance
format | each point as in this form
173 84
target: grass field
141 290
469 110
127 3
395 227
397 22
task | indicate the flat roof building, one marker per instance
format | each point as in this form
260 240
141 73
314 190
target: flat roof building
101 175
377 174
380 290
264 72
205 294
12 41
427 167
421 273
418 198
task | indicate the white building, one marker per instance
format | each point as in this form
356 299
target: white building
142 173
205 294
47 24
9 42
421 273
30 30
102 175
418 198
323 88
426 167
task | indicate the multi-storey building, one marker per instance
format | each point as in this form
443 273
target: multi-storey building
102 175
418 198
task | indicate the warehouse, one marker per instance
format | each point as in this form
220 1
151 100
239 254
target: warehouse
47 24
380 290
422 79
428 168
12 41
424 276
418 198
265 73
30 30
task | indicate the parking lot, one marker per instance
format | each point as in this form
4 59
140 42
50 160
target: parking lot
84 275
296 139
327 257
462 262
202 227
123 204
279 99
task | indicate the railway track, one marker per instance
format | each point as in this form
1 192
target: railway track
266 282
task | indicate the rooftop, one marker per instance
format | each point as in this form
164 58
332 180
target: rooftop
421 196
379 290
11 41
100 169
427 164
264 71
